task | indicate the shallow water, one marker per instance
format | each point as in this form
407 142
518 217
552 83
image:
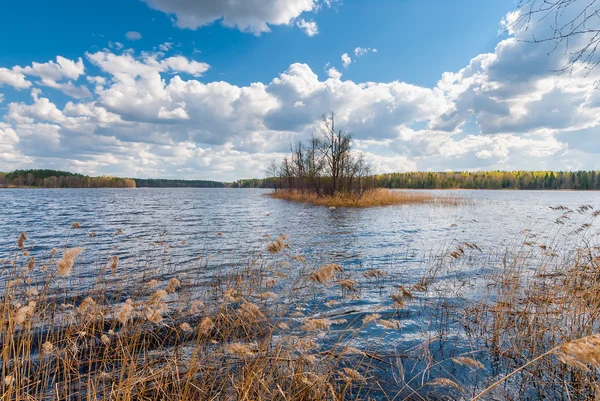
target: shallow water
179 225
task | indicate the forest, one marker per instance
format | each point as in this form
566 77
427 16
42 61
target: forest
531 180
577 180
60 179
163 183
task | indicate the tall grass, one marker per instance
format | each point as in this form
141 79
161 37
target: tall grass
242 335
370 198
267 327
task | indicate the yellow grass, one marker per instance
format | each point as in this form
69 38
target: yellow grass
156 335
250 333
371 198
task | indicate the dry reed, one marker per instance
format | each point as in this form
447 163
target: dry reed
166 339
253 333
371 198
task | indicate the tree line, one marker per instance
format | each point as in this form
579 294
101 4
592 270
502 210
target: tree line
576 180
60 179
162 183
527 180
530 180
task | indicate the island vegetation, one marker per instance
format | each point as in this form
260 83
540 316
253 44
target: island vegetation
325 171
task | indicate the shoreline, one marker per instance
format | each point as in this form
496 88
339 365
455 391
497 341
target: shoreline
273 189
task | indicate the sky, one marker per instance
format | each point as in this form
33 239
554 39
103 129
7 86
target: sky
218 89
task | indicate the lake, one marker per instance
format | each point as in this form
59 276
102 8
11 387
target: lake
178 226
228 224
243 216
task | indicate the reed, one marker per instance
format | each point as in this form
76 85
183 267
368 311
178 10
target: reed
171 338
278 325
370 198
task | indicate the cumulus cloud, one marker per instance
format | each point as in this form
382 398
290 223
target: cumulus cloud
333 73
165 47
13 78
57 75
252 16
62 69
346 60
309 27
133 35
151 116
10 157
126 65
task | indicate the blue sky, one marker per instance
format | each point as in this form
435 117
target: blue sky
416 40
180 88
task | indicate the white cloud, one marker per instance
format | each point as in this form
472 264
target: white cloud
13 78
333 73
116 45
42 109
69 89
165 47
346 60
133 35
309 27
126 65
58 75
504 110
10 157
62 69
253 16
182 64
178 113
361 51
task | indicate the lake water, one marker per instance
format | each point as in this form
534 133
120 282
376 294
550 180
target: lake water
226 224
367 236
231 223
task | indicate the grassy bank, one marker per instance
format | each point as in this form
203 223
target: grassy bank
375 197
272 325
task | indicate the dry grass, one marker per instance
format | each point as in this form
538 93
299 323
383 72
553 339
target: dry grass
179 338
253 332
541 320
371 198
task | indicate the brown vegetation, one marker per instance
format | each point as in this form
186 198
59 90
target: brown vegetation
253 331
370 198
178 338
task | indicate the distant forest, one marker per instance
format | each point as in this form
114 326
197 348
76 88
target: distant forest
60 179
159 183
577 180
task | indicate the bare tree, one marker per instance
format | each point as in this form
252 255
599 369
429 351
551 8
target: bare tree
336 150
574 26
325 164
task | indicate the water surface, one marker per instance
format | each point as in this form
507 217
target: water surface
177 226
